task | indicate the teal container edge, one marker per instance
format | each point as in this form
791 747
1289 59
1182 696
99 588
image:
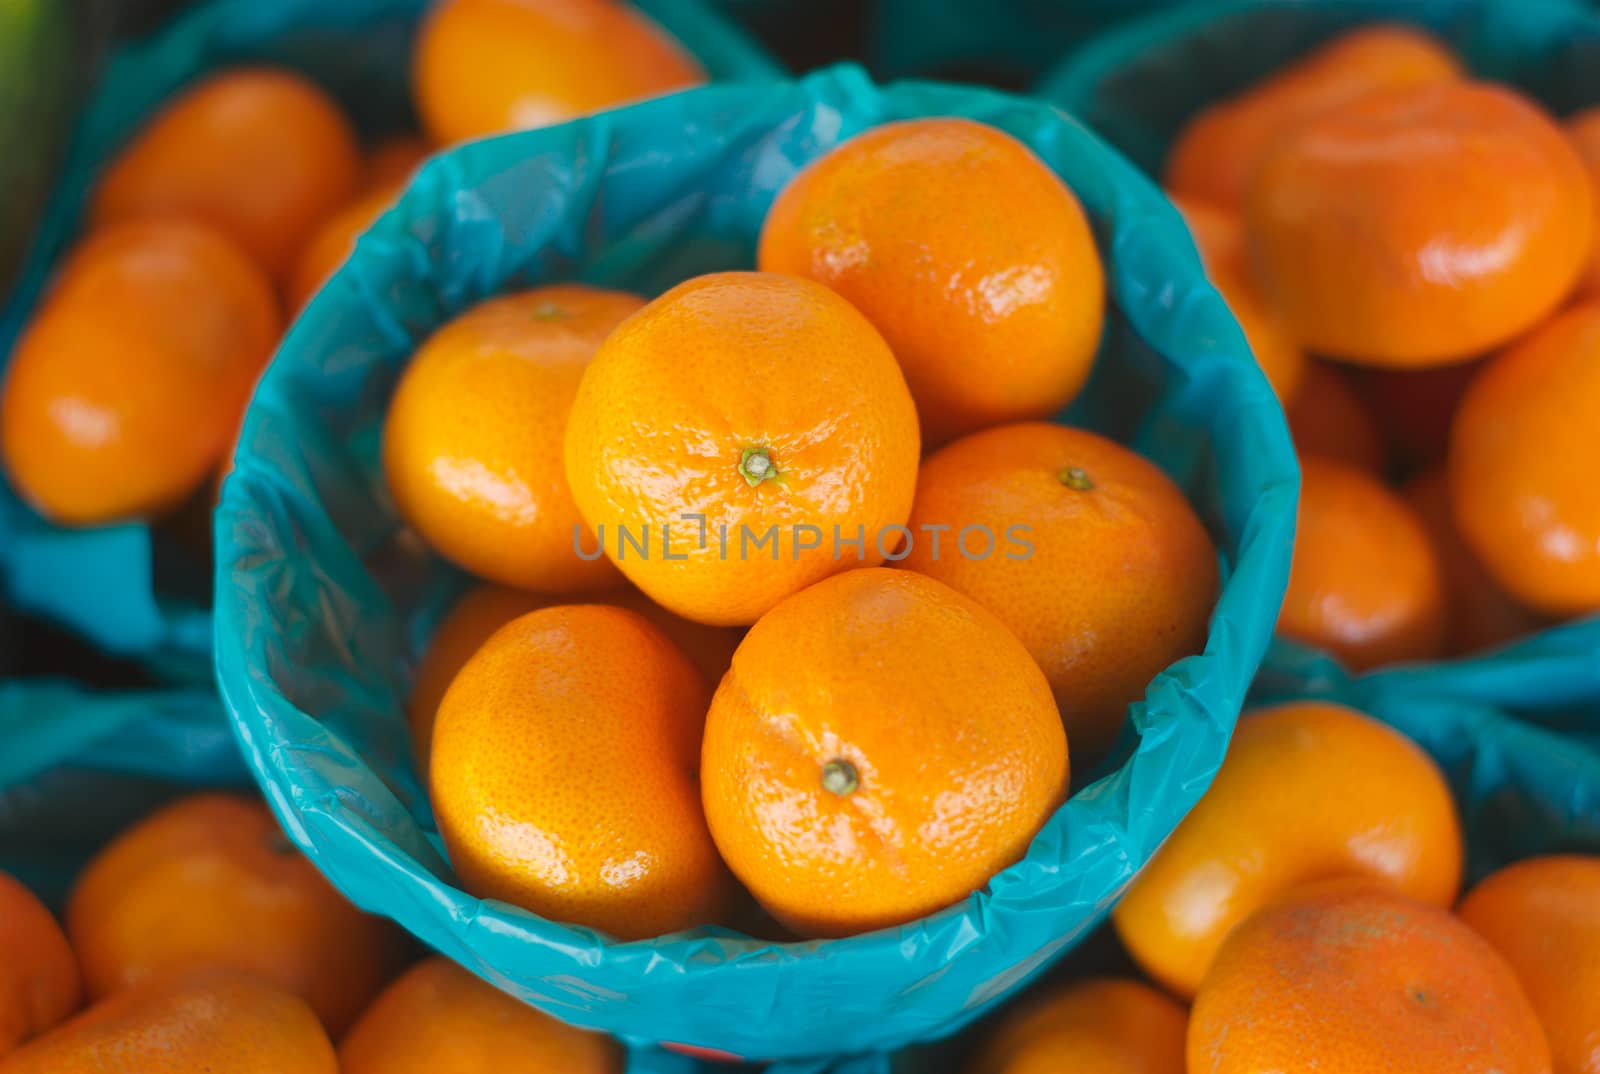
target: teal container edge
104 582
322 597
1126 85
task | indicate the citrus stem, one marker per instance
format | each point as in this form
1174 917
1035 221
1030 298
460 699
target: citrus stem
1076 478
756 466
548 311
840 777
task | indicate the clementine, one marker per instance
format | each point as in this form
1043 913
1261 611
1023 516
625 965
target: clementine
128 384
1112 576
210 881
1219 236
742 436
472 446
438 1017
39 984
1216 155
1366 583
1102 1025
260 153
880 748
1543 915
1481 616
1348 978
971 257
1421 226
195 1022
1329 420
393 160
1584 130
486 66
1523 455
333 242
564 774
1308 791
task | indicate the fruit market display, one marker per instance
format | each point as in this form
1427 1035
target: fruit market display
806 530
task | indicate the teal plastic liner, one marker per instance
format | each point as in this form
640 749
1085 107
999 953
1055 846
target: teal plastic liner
1138 86
104 582
322 596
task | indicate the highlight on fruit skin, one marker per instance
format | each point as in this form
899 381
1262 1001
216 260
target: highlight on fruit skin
813 797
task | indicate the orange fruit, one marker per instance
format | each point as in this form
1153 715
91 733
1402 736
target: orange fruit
1523 455
39 983
197 1022
1365 584
485 66
128 384
334 241
473 441
438 1017
1308 790
486 608
729 439
1216 155
1219 236
1584 130
1480 615
880 748
261 154
1117 575
1098 1026
971 257
210 881
393 160
1543 916
1327 419
1352 979
1420 226
1414 408
564 774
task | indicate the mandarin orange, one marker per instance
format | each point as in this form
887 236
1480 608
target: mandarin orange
1584 130
39 983
1329 420
971 257
333 241
1102 1025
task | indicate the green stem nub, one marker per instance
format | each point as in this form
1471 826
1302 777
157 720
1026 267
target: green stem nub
757 466
1076 478
548 311
839 777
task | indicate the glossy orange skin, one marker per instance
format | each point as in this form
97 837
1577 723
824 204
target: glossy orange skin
682 394
1419 227
1415 408
393 161
438 1017
210 881
260 153
39 985
1365 584
486 66
1216 155
334 241
1523 455
1543 916
1328 420
472 446
971 257
1103 1025
1121 577
484 610
1584 130
1219 236
1308 791
564 775
1350 978
128 384
1480 614
947 722
197 1022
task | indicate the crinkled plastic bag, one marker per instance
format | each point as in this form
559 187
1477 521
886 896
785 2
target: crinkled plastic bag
322 595
104 582
1140 84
